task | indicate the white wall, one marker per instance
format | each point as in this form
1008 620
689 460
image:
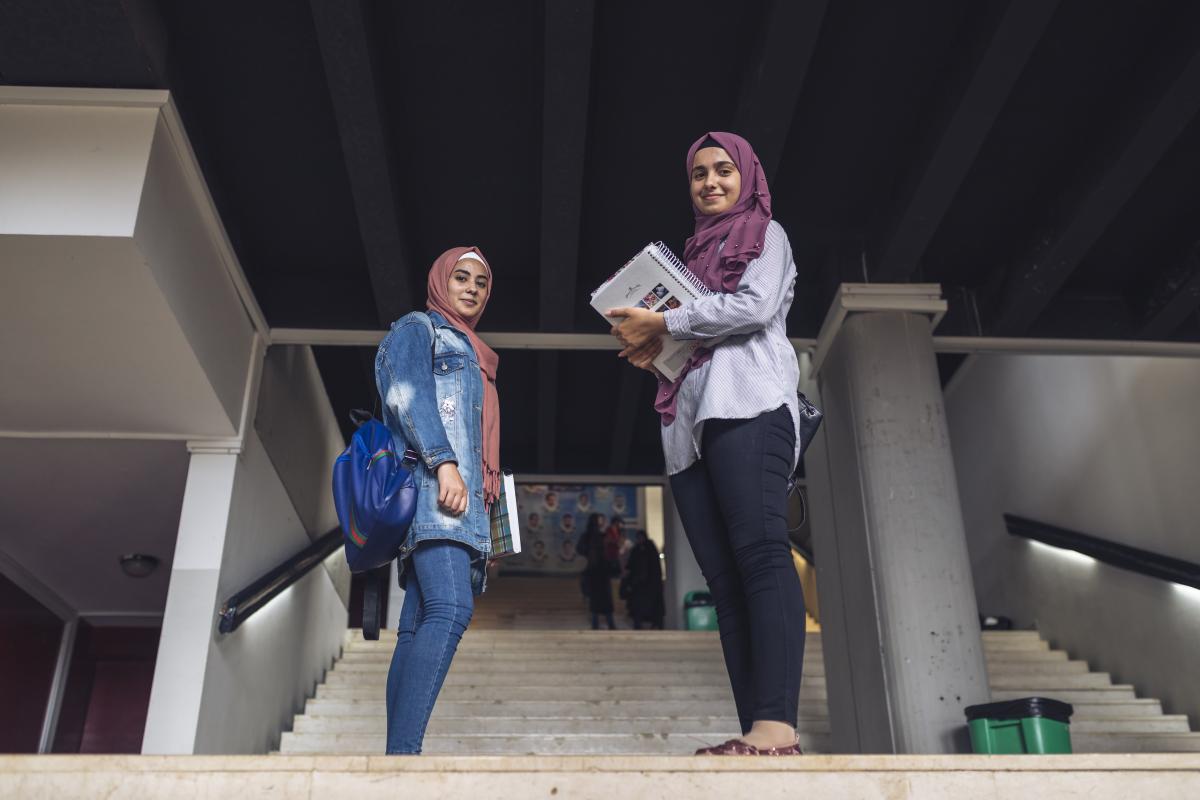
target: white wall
233 693
301 435
184 251
1107 446
259 675
71 170
682 572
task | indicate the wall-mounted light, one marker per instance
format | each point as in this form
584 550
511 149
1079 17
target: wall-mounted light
1064 552
138 565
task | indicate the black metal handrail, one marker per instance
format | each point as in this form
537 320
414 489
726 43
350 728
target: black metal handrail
1134 559
242 605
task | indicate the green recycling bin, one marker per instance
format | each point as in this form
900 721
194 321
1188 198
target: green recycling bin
1013 727
699 613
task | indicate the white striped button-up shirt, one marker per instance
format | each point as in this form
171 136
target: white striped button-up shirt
754 370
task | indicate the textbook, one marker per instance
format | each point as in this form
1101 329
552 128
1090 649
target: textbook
506 526
655 279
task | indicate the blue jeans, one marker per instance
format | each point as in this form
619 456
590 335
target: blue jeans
437 609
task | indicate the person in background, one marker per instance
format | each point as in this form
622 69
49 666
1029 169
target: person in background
597 575
730 427
645 584
439 400
613 536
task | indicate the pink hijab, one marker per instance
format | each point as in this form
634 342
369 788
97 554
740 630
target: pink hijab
743 229
489 362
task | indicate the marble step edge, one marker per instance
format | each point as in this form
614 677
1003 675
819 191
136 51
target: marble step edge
1191 741
1023 681
811 667
489 695
707 655
668 709
566 726
131 766
356 633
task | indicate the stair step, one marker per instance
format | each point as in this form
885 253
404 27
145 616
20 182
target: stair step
374 706
1095 777
470 661
1073 696
1136 742
1050 683
355 634
551 726
547 726
590 744
551 681
655 744
504 694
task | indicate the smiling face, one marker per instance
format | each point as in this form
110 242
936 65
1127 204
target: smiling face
468 288
716 183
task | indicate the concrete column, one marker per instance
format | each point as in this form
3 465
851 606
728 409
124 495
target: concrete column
188 622
903 650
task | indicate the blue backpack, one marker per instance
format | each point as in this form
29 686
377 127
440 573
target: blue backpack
374 490
375 495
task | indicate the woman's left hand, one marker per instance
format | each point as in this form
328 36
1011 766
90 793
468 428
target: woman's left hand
643 357
635 327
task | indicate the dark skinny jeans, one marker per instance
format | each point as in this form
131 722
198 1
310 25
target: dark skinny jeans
733 504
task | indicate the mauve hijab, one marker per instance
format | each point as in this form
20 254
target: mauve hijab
489 362
743 229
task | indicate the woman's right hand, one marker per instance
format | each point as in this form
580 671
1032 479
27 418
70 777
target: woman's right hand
452 492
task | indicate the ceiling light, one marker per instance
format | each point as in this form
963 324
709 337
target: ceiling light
138 565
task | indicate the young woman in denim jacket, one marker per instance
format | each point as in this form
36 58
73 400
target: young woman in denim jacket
437 381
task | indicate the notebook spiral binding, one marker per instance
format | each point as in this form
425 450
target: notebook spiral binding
664 254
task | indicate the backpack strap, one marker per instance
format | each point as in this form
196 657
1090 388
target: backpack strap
373 592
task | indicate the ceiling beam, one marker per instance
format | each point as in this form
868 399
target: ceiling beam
772 83
917 217
1175 297
566 89
346 53
1034 282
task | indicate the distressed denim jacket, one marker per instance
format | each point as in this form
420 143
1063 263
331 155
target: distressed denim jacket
432 403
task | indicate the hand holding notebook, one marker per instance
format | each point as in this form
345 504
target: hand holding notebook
654 279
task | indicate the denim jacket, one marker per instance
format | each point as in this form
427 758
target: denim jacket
433 403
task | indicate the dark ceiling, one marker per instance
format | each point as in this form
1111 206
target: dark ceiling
1039 158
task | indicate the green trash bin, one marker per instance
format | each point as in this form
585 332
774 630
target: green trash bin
1028 725
699 613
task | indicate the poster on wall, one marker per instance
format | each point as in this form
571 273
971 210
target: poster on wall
554 515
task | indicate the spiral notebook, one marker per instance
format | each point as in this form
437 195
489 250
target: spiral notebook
655 279
506 527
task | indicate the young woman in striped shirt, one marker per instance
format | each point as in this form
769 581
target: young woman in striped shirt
730 433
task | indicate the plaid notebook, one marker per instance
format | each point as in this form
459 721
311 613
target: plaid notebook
506 529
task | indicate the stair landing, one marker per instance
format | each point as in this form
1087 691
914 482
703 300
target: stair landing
1094 777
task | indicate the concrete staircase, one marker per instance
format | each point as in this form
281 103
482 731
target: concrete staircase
516 690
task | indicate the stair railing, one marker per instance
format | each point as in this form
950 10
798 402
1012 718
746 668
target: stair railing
1122 556
243 604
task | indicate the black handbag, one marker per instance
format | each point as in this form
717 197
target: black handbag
810 421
